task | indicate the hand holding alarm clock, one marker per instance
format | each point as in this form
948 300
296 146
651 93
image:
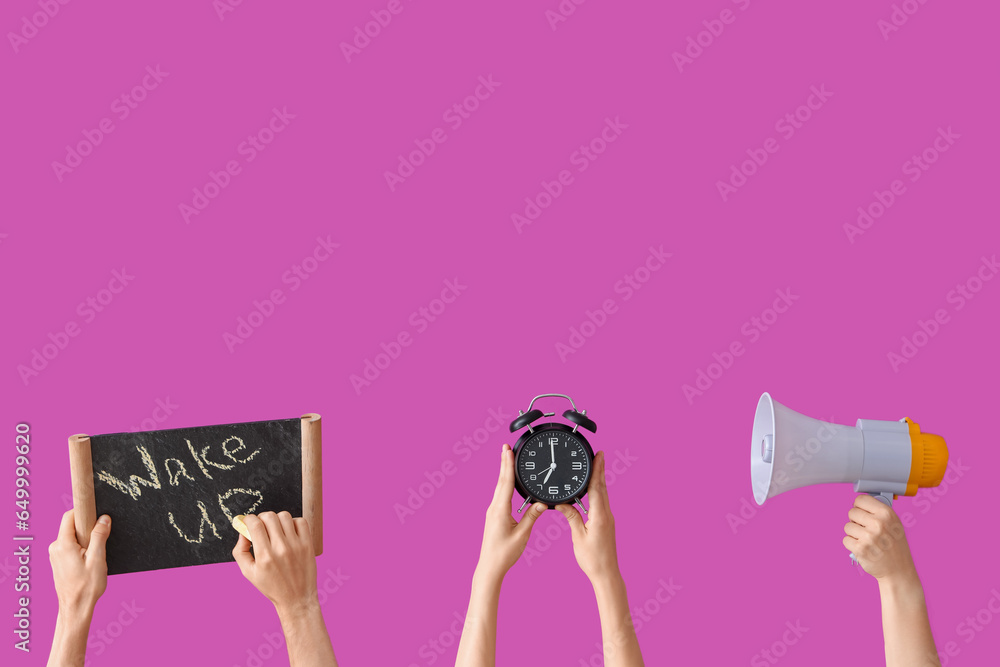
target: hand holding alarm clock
552 465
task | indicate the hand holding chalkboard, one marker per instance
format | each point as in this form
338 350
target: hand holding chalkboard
174 493
80 577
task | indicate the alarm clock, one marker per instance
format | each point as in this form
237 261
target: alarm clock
552 461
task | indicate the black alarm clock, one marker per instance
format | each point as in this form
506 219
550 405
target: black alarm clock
552 461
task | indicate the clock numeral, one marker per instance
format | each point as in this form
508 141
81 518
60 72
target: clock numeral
567 487
534 477
553 441
553 490
574 453
531 452
530 465
577 465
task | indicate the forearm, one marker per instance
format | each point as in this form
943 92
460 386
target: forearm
69 642
621 647
478 645
905 626
306 637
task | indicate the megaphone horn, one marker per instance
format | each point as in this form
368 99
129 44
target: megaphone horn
884 458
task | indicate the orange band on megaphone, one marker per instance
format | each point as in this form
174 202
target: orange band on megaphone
929 459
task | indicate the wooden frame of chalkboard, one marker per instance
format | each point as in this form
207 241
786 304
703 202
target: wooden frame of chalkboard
121 485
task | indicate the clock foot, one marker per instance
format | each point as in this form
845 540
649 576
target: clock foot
522 506
581 505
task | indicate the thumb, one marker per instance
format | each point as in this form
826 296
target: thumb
531 517
572 515
97 549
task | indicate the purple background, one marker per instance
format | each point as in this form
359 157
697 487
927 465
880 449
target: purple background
399 584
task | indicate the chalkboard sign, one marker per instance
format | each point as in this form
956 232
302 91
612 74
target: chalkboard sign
172 494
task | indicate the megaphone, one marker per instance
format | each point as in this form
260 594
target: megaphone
884 458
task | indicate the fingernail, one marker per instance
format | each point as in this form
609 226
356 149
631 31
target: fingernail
105 519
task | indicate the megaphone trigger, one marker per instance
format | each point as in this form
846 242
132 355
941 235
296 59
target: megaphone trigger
886 498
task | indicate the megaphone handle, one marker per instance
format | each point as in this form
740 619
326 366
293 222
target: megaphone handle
882 498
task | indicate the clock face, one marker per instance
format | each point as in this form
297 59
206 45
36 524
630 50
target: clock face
553 464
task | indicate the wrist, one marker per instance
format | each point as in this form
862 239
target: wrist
289 612
76 613
608 584
487 578
905 584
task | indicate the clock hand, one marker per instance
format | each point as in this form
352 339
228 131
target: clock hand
553 446
549 474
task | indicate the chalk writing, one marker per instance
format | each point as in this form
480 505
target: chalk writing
195 455
223 497
201 525
181 470
132 487
232 448
230 453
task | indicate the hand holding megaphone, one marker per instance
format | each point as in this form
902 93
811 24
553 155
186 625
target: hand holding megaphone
882 458
876 539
